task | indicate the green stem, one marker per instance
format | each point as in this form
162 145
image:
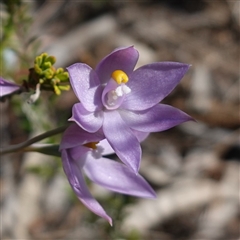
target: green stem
18 147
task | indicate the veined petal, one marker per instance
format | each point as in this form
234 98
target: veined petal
117 177
151 83
75 136
141 136
79 186
7 87
122 140
89 121
123 59
85 84
158 118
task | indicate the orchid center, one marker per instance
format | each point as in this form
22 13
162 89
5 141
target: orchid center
92 145
117 91
96 151
120 76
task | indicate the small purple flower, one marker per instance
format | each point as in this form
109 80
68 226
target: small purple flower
7 88
125 103
82 152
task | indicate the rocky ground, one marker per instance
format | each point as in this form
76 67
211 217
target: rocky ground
194 167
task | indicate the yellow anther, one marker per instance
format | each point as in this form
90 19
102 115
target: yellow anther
91 145
119 76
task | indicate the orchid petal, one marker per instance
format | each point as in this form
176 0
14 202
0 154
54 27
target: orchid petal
152 83
7 87
74 136
141 136
89 121
85 84
107 149
123 59
79 186
117 177
78 154
158 118
122 140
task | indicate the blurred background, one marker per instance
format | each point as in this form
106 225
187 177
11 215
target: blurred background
194 167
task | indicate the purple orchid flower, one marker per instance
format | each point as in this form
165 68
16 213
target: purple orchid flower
7 88
82 152
125 103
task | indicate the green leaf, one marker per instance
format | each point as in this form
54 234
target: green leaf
48 149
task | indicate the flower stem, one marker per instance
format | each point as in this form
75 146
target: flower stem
18 147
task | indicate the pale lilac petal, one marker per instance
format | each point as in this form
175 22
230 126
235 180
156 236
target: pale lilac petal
151 83
89 121
117 177
75 136
85 84
7 87
158 118
79 186
122 140
123 59
106 147
79 154
141 136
